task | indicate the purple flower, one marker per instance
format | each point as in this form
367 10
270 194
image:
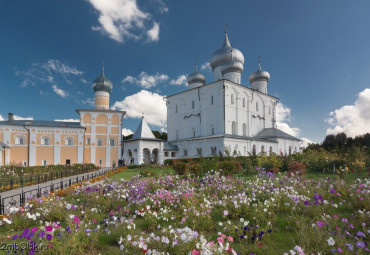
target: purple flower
42 234
320 223
49 237
360 244
332 191
15 237
306 202
34 229
339 250
360 234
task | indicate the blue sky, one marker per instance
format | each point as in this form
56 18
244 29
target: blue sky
317 53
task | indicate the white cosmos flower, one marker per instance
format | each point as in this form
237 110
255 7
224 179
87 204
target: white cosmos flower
331 241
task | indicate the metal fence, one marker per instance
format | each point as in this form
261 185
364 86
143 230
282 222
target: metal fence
23 181
21 198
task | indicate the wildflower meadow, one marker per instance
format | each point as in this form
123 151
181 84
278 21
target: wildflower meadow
216 213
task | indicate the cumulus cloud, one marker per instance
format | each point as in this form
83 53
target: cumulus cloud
206 67
180 80
16 117
306 142
151 104
153 33
352 119
126 131
145 80
123 19
59 91
283 115
1 117
67 120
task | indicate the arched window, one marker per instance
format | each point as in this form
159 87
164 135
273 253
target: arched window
295 149
257 106
263 149
192 104
245 151
211 99
69 141
244 129
193 132
175 108
45 140
270 109
233 128
254 149
212 130
243 102
270 150
290 150
232 99
177 135
20 140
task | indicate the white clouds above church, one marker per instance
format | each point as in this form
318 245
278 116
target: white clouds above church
144 102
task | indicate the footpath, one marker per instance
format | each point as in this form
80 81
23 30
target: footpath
17 197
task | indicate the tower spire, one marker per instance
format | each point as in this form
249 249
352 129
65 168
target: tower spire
259 63
102 67
196 65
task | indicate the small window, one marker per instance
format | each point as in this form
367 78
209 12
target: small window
254 149
243 102
211 99
175 108
166 154
257 106
213 131
88 141
185 152
193 132
69 141
192 104
100 142
45 141
232 99
44 162
100 161
112 142
199 151
24 163
270 109
177 135
173 154
270 150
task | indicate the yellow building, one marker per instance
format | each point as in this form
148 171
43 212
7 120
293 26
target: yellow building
95 139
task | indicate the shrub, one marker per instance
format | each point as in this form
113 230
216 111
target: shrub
168 162
208 164
296 168
229 167
194 169
270 167
148 172
180 168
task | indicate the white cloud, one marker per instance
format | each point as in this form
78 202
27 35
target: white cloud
59 91
352 119
306 142
123 19
126 131
153 33
16 117
1 117
56 66
146 81
206 66
151 104
88 101
181 80
282 116
67 120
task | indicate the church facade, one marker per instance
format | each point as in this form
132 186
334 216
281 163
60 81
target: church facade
212 118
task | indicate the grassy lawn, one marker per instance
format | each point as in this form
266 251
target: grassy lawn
144 170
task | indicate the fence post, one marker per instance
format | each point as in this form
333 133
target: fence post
11 183
52 187
61 184
38 191
1 206
21 181
22 198
38 179
70 182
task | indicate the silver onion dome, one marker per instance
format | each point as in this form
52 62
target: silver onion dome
102 83
259 75
196 77
222 55
232 65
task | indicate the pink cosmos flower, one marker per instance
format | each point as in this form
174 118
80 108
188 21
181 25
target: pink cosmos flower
230 239
48 228
195 252
226 213
220 240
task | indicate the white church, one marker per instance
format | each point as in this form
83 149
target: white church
210 118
